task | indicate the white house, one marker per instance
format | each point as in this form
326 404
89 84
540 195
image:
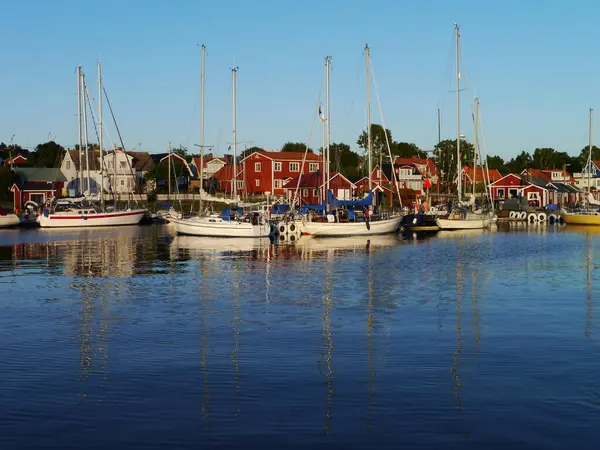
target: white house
211 165
124 171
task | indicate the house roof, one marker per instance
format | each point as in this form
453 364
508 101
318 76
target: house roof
94 161
208 158
566 188
480 174
535 176
286 156
415 161
142 161
225 173
32 174
35 187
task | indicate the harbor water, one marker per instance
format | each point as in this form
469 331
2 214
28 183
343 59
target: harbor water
136 338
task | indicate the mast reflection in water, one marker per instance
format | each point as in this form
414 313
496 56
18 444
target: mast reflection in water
137 338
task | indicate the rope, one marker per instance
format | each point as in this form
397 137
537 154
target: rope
387 138
312 127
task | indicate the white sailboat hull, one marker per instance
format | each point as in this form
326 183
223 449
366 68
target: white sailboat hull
106 219
214 227
463 224
10 220
351 228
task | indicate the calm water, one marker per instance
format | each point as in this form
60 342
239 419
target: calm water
135 338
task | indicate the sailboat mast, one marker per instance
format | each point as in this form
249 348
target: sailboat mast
439 127
202 128
369 137
328 125
169 183
476 145
101 137
234 190
590 151
458 171
85 131
80 171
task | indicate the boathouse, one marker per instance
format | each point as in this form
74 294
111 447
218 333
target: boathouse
310 188
36 184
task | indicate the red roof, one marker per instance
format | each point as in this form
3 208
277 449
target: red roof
287 156
414 161
208 158
225 173
481 176
563 173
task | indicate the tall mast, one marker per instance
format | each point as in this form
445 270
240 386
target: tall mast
101 137
458 168
234 190
202 128
169 183
476 145
439 126
328 125
590 152
85 131
369 137
80 171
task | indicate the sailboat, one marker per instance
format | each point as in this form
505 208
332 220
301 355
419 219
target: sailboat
8 219
225 225
461 218
350 223
75 213
589 215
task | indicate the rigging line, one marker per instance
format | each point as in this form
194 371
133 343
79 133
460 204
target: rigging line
387 138
312 127
487 167
122 144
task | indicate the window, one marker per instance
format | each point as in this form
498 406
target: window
257 181
294 167
533 196
122 182
257 167
513 193
556 175
315 192
240 184
278 183
313 167
378 174
304 192
405 172
68 165
123 164
500 192
277 166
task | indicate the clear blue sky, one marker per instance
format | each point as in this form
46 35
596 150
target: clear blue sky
533 64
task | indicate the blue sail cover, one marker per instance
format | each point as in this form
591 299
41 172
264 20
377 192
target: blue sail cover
334 202
280 208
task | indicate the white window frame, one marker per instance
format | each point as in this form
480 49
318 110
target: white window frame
278 183
294 167
240 184
498 190
304 192
313 167
257 166
68 165
257 182
533 195
315 192
378 174
277 166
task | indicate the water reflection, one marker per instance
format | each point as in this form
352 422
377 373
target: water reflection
589 323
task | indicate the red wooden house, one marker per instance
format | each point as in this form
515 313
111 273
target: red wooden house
36 184
16 161
270 171
480 175
535 186
310 188
224 176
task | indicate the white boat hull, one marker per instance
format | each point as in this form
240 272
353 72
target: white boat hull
211 227
351 228
106 219
10 220
463 224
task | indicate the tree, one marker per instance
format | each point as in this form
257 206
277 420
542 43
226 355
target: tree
519 163
378 141
7 178
298 147
496 162
406 150
446 157
183 152
48 154
544 158
585 151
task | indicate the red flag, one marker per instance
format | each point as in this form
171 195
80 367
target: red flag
427 183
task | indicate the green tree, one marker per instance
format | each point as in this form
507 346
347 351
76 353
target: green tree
497 162
407 150
520 162
378 141
544 158
7 178
48 154
585 151
295 147
182 151
446 157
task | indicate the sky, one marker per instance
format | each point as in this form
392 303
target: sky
532 64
